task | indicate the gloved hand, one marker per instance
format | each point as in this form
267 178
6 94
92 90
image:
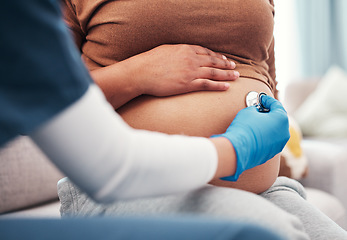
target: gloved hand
257 136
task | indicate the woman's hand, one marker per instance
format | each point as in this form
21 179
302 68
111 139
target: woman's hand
175 69
163 71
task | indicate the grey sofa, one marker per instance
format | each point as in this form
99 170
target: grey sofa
28 180
327 159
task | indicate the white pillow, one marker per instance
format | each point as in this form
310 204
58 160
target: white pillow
324 112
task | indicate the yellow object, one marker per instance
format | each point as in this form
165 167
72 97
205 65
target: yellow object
294 142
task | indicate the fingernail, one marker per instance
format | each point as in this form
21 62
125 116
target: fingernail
224 57
236 74
226 85
233 65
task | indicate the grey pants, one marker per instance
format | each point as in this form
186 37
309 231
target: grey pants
284 193
282 208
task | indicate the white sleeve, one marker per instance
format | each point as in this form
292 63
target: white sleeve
109 160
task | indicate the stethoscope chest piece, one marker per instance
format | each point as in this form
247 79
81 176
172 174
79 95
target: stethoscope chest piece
254 99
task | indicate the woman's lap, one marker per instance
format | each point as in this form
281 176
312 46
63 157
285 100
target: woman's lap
210 201
284 193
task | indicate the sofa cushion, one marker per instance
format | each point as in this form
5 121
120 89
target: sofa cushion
27 178
297 91
324 112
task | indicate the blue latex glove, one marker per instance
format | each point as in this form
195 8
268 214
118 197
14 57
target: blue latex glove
257 136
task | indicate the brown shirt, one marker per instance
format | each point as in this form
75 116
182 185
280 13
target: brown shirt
111 31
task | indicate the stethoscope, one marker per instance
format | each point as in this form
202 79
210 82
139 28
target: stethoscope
254 99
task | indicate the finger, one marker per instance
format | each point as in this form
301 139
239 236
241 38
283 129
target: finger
271 103
217 74
208 85
212 57
205 51
211 61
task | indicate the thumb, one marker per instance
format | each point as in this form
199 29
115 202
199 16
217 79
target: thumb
271 103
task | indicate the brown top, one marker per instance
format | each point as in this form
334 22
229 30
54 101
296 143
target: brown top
109 31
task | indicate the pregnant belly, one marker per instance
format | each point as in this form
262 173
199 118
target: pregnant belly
194 114
203 114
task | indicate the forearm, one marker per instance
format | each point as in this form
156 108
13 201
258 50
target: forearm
109 160
117 83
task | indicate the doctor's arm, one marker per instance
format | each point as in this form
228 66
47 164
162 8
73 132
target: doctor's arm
109 160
